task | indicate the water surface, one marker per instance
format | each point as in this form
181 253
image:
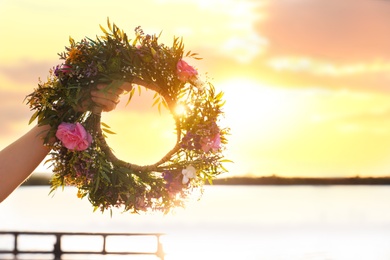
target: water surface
231 222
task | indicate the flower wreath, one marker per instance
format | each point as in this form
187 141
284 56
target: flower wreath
80 155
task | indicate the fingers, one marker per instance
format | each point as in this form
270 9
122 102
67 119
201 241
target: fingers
108 99
117 91
127 86
106 104
112 96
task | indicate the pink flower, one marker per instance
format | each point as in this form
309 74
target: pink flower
66 69
74 136
62 69
185 72
211 143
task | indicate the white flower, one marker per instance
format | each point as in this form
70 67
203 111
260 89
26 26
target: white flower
198 83
188 173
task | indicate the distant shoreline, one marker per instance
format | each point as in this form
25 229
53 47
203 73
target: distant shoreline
41 179
277 180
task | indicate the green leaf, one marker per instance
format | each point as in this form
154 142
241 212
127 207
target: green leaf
226 161
130 96
109 24
223 168
219 96
97 183
105 176
104 30
156 101
71 41
165 104
105 125
33 117
135 40
153 51
108 131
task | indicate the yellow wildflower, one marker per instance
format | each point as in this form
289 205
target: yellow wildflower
73 55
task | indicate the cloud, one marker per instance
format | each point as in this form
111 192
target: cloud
13 101
14 113
350 112
328 44
305 44
26 71
328 68
369 122
366 75
339 30
368 117
225 27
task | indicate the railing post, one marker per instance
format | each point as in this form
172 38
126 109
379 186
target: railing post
57 248
104 244
15 244
57 251
160 250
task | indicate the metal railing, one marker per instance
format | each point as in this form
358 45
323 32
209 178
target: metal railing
57 250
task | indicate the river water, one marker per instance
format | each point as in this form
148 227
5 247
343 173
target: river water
230 222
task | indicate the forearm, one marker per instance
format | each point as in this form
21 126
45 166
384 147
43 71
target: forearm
19 159
22 157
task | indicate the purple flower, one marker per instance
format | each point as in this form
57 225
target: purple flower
173 182
191 141
91 70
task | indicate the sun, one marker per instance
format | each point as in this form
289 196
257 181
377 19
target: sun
180 109
251 104
261 118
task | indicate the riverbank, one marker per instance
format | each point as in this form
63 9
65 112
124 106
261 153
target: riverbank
44 179
277 180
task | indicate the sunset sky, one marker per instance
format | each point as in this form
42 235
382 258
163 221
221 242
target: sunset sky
307 82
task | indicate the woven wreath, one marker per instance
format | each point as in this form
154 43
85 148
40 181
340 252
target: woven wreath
80 155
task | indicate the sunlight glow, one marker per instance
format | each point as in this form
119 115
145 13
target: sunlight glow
250 103
283 75
319 67
180 109
143 134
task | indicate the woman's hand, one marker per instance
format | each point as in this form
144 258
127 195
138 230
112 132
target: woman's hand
108 99
19 159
